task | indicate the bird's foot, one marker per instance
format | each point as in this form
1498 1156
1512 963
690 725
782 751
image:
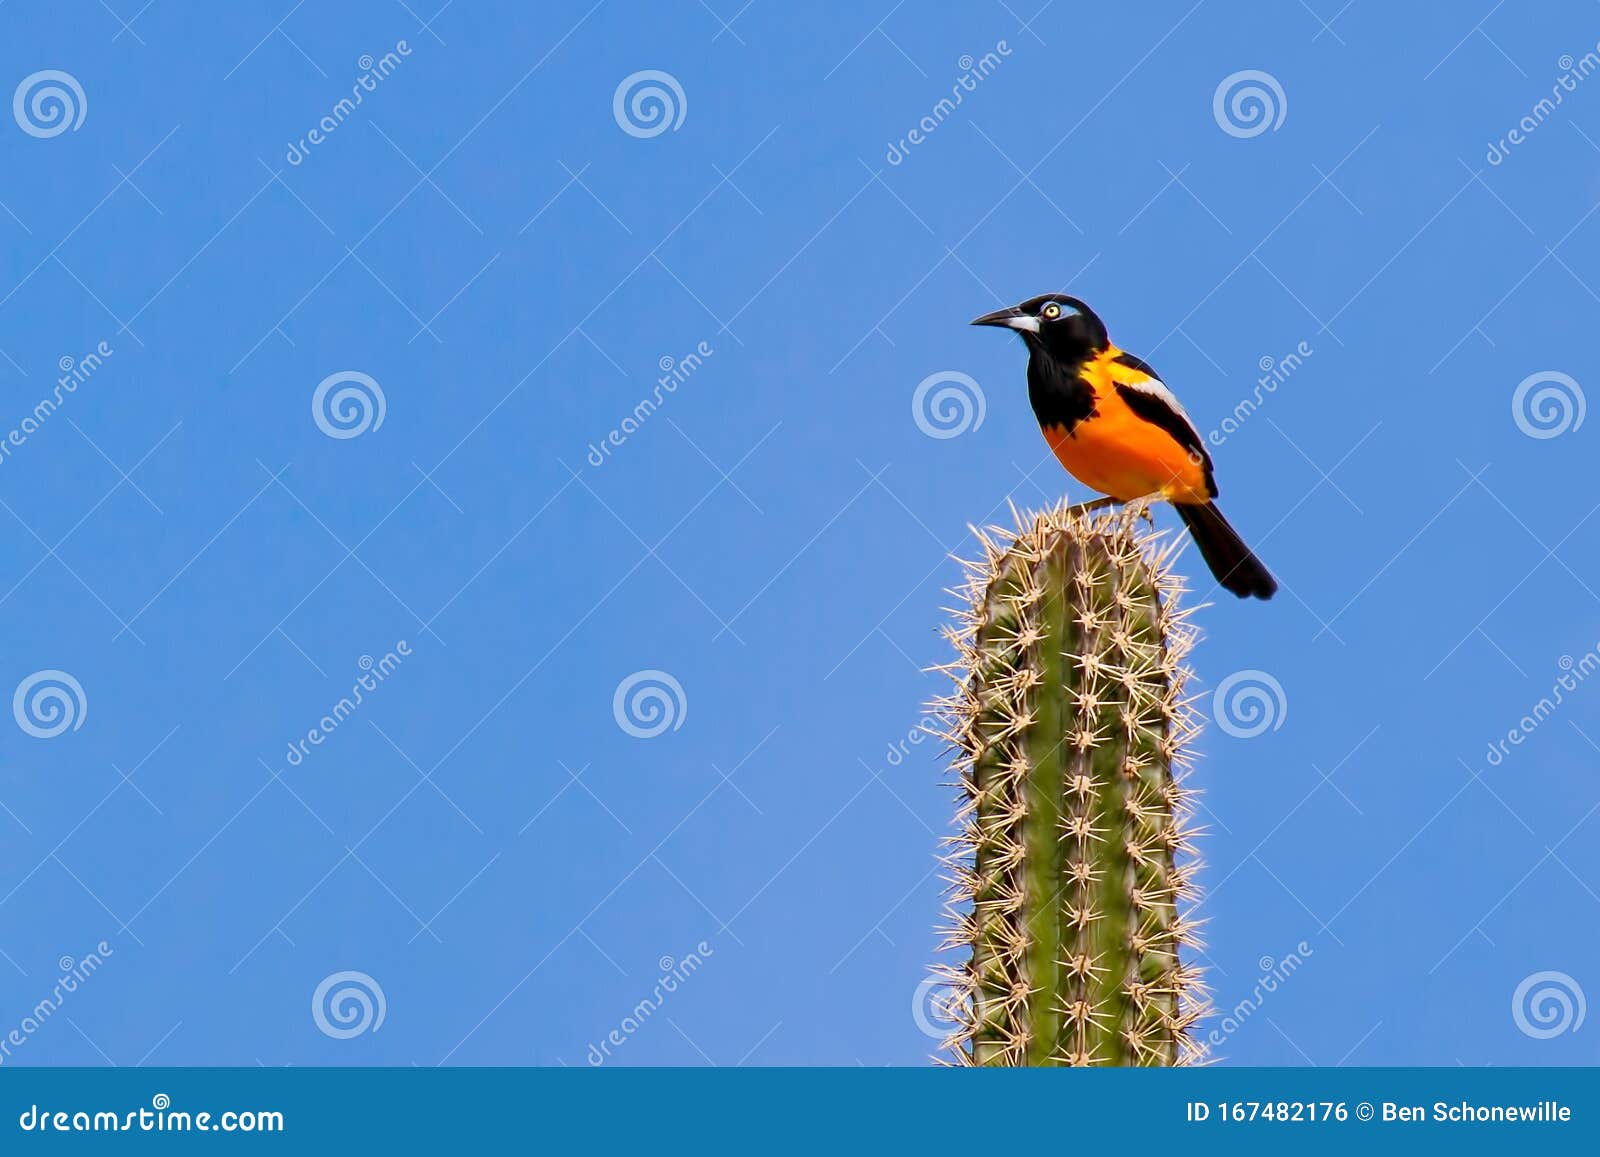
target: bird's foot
1139 506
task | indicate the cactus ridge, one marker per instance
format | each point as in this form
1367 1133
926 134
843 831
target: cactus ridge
1072 868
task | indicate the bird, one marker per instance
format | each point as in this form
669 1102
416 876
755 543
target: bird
1116 427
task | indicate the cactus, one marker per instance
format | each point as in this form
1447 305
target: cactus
1069 726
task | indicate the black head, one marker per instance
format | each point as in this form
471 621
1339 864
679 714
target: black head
1060 325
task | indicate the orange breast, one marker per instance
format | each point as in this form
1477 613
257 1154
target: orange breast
1120 454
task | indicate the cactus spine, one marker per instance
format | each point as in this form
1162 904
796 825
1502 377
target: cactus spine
1070 725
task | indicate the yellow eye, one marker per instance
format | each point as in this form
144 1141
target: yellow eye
1051 311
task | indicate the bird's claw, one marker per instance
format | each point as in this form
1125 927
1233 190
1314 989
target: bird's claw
1140 507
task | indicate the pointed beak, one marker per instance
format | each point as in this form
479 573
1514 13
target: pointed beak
1011 318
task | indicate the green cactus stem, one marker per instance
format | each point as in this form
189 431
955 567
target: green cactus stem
1070 725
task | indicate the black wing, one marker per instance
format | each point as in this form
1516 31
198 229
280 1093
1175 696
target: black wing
1146 394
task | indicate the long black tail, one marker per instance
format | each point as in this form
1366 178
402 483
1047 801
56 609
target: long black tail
1231 561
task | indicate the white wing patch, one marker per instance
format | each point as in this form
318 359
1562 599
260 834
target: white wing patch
1156 388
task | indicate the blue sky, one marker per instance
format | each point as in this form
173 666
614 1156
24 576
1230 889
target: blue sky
514 862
